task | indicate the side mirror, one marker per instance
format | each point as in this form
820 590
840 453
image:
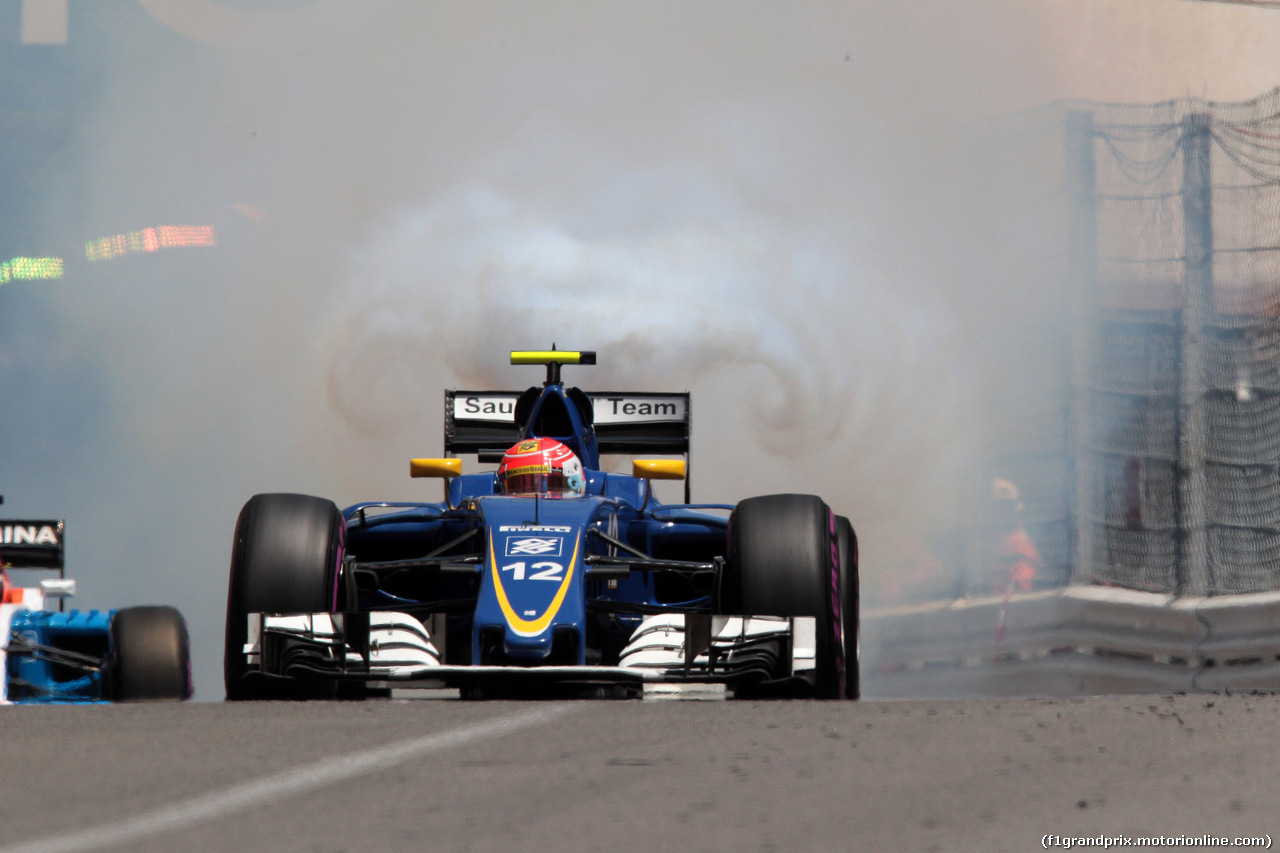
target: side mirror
658 469
58 588
435 467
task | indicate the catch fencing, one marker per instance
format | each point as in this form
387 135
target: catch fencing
1174 260
1144 431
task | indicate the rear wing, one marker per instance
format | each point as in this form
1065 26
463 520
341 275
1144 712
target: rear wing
484 422
32 544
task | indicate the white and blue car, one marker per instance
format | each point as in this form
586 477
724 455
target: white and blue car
53 655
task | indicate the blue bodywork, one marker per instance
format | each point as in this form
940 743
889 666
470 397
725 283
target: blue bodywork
604 591
58 657
529 581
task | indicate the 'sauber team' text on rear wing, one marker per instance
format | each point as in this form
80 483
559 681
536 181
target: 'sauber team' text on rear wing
484 422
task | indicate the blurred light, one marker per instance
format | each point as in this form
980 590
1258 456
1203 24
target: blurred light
30 268
149 240
250 210
172 236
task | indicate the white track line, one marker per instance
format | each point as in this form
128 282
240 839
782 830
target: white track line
279 786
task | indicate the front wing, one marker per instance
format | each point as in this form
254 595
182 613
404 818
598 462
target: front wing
396 649
41 661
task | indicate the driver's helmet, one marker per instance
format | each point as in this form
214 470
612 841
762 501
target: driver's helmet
541 466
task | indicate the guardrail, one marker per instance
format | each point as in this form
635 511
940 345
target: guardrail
1082 639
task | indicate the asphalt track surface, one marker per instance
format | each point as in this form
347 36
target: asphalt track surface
594 775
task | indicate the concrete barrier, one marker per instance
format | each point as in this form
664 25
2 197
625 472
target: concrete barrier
1083 639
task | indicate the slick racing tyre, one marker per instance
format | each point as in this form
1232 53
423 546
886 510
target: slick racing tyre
783 561
850 612
285 559
151 655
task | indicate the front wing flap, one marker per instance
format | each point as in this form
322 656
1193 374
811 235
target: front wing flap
395 648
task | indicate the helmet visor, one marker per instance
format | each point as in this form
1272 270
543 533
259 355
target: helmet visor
536 484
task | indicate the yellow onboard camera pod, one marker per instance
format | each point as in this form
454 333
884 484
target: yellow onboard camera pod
658 469
435 467
443 468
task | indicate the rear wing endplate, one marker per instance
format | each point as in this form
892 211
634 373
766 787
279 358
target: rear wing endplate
483 422
26 544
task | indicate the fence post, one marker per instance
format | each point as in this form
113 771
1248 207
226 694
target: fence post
1082 274
1197 307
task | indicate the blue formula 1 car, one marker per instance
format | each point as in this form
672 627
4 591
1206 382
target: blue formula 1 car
55 656
548 576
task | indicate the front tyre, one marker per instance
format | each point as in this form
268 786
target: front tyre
286 558
850 606
783 561
150 655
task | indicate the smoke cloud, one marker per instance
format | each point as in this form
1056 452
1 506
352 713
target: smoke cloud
786 210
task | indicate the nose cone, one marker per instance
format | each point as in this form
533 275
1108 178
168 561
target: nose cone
523 649
531 609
